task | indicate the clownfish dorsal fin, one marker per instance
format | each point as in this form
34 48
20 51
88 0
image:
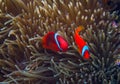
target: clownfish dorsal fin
78 29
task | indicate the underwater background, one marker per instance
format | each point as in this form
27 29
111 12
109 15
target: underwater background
23 23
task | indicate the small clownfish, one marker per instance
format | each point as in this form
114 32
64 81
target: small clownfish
54 42
81 44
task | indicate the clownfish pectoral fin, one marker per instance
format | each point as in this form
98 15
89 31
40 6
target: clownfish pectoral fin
84 49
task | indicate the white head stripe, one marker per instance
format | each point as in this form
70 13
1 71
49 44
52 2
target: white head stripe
56 34
84 49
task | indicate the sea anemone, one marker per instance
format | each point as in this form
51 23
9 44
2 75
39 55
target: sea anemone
23 59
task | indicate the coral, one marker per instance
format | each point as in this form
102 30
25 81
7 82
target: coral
23 60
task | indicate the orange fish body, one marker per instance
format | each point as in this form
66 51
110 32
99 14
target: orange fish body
82 45
54 42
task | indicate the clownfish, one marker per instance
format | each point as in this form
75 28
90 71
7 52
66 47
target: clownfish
81 44
55 42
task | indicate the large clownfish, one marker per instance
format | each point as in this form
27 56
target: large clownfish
54 42
81 44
